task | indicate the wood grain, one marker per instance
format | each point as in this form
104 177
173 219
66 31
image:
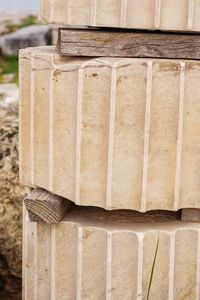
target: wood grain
44 206
116 43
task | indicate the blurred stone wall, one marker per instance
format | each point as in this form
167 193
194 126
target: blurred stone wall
11 196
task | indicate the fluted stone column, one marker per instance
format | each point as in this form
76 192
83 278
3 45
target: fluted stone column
179 15
94 255
112 147
115 133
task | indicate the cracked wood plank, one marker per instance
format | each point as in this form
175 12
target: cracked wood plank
118 43
44 206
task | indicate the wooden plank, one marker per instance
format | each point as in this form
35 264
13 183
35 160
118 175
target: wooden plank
190 215
118 43
44 206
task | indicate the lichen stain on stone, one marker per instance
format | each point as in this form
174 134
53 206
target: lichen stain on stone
57 73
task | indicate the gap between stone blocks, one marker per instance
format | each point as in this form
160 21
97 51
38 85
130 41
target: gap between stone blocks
44 206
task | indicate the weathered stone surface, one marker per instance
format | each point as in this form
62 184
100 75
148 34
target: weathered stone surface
179 15
30 36
11 196
95 255
95 130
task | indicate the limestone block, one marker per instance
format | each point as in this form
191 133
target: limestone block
179 15
111 132
94 255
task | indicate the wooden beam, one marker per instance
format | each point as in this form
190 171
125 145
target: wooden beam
75 42
34 218
190 215
44 206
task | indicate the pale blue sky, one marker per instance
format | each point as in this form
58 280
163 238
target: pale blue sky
20 5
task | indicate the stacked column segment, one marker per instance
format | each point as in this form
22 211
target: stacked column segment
120 135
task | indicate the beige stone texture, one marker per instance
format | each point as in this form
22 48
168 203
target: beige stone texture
173 15
11 196
95 255
114 133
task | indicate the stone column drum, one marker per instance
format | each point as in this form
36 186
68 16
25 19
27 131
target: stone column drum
97 255
114 133
175 15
